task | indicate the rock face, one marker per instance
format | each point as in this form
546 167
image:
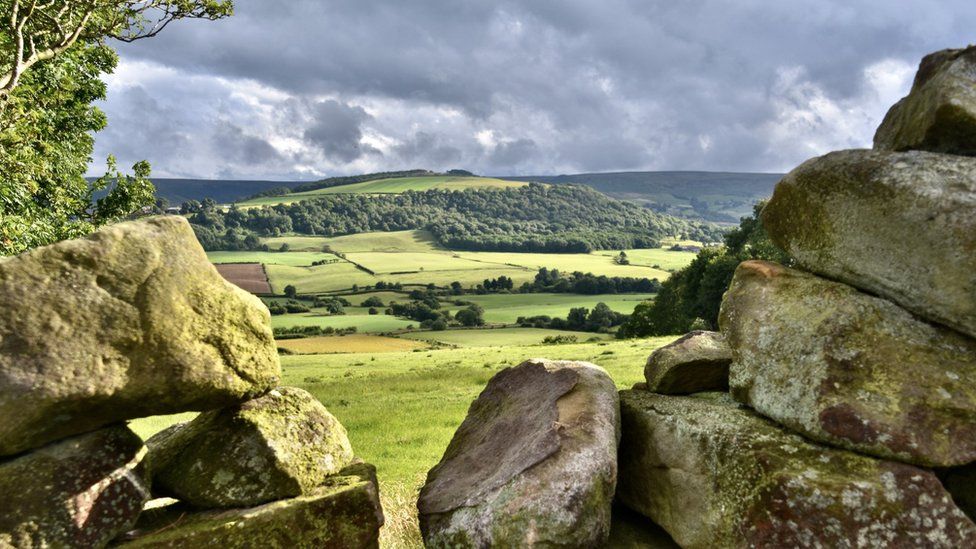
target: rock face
279 446
849 369
132 321
344 512
940 112
695 363
80 492
714 474
899 225
533 464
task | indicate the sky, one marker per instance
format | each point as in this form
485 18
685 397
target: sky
305 89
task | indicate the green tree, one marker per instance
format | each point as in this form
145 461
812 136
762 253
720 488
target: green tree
473 315
692 297
52 57
291 292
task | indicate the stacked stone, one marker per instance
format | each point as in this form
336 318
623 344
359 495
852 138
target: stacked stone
134 321
850 415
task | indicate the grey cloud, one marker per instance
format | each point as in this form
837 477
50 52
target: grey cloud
337 130
592 84
238 146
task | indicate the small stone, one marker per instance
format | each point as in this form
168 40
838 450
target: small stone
79 492
279 446
344 512
533 464
695 363
939 114
849 369
898 225
714 474
131 321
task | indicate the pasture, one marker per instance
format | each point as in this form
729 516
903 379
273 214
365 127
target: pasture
390 186
401 409
499 337
507 308
597 263
355 343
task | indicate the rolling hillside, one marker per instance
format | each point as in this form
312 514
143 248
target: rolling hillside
711 196
390 186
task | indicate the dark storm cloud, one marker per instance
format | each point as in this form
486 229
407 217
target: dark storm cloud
336 129
236 145
591 84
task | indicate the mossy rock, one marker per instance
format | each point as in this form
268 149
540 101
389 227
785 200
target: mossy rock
279 446
131 321
939 114
695 363
79 492
344 512
716 475
898 225
533 464
849 369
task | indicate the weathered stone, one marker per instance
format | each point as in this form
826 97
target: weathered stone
940 112
715 475
695 363
533 464
343 513
631 530
961 483
279 446
849 369
79 492
132 321
899 225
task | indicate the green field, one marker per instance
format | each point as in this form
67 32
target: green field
401 409
506 308
390 186
291 259
660 258
597 263
498 337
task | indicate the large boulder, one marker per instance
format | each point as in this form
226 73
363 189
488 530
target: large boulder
533 464
695 363
79 492
899 225
850 369
716 475
940 112
343 513
132 321
279 446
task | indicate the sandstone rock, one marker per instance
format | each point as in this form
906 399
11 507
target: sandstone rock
79 492
899 225
132 321
849 369
715 475
940 112
279 446
343 513
695 363
533 464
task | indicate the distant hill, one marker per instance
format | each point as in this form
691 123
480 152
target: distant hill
387 186
713 196
178 191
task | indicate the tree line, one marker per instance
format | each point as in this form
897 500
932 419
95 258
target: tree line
535 218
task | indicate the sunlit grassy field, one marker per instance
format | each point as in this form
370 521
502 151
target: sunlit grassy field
355 343
507 308
401 409
293 259
596 263
499 337
391 186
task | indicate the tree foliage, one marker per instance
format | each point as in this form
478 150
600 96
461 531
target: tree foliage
692 297
52 57
534 218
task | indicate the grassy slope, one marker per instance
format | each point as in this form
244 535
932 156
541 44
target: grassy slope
498 337
293 259
390 186
506 308
401 409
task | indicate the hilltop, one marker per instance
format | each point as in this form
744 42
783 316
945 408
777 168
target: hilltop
722 197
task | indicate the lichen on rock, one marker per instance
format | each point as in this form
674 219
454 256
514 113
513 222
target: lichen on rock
533 463
131 321
695 363
714 474
279 446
